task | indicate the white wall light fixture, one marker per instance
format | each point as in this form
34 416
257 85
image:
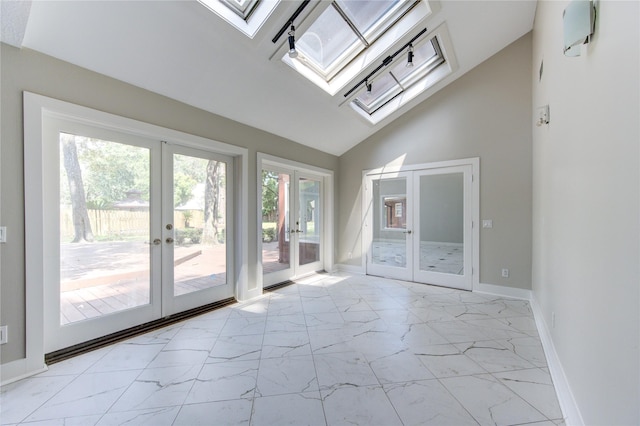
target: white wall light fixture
578 21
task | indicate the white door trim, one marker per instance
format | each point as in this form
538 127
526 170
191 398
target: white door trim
475 204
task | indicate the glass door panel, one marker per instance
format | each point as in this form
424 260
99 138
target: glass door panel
200 253
390 226
441 223
196 221
105 255
308 226
443 227
276 242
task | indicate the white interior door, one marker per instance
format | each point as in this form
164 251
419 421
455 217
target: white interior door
442 241
126 239
292 224
418 226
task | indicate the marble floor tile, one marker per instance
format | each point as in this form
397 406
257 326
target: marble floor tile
327 350
490 402
343 369
236 348
427 402
19 399
236 412
89 393
399 367
493 356
151 416
534 386
224 381
278 376
448 361
158 387
301 409
358 405
292 343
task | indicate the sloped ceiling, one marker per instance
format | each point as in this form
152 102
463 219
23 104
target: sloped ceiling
182 50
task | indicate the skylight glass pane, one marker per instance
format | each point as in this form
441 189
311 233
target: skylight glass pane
383 89
422 55
365 14
243 8
328 38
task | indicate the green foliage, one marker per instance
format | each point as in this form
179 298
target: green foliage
268 234
269 193
189 235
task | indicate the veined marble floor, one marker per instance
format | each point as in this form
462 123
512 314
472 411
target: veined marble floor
328 350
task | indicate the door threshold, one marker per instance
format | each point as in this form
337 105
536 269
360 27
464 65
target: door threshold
118 336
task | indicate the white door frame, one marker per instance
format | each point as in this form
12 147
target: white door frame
36 108
305 170
367 234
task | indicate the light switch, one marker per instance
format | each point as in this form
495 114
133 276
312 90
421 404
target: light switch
487 223
3 234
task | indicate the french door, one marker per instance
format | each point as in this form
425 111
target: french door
419 226
292 224
136 230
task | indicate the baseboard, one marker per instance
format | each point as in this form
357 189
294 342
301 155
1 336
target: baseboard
18 370
351 269
568 405
500 290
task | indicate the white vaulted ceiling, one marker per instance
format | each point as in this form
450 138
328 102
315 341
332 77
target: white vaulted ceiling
182 50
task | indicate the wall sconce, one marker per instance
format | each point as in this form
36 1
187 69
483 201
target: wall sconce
543 116
578 22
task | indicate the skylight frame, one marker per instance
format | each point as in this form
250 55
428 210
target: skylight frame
254 20
418 85
243 12
403 84
366 38
408 22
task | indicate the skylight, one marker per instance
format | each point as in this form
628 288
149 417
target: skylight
344 30
242 8
386 86
246 15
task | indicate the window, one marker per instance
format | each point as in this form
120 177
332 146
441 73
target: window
247 16
339 40
344 30
385 87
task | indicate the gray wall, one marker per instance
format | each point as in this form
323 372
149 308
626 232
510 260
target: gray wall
586 190
25 70
487 114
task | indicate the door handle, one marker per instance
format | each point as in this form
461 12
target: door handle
157 241
169 240
407 232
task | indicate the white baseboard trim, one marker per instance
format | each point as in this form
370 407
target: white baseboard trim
568 405
18 370
351 269
500 290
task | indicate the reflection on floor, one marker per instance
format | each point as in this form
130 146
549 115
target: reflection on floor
434 256
331 349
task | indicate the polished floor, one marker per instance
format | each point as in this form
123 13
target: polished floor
328 350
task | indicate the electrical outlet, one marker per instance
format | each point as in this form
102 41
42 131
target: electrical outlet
487 223
505 273
4 334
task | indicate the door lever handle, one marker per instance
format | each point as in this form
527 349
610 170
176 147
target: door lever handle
407 232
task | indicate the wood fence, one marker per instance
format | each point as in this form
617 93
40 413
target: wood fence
122 223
